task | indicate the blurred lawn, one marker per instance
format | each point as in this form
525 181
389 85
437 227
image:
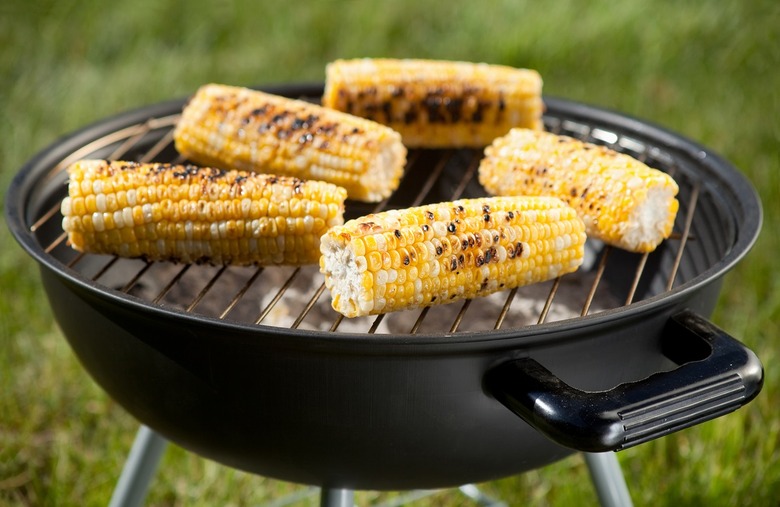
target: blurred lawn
705 70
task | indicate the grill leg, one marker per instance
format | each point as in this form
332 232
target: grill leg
140 467
337 498
608 479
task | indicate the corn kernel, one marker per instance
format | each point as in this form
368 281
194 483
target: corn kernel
466 261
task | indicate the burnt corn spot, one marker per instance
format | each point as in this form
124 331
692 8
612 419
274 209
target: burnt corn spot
454 108
279 117
411 115
298 124
451 227
387 109
432 104
397 233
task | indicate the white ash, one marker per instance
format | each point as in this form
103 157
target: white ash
258 298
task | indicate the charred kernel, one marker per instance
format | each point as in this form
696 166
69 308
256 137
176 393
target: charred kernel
587 175
449 267
486 217
397 233
448 95
451 227
214 130
429 215
203 204
486 208
425 227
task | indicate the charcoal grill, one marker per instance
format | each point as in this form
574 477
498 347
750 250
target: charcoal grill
250 367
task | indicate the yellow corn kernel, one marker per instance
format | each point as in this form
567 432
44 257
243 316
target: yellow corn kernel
197 214
437 104
622 201
232 127
492 248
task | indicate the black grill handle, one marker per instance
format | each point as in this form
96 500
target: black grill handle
725 376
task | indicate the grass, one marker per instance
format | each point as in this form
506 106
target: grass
706 71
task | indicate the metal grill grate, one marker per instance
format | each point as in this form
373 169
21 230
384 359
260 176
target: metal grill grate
296 297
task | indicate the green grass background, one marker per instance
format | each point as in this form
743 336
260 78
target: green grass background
707 70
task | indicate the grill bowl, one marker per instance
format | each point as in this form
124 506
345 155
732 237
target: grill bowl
377 406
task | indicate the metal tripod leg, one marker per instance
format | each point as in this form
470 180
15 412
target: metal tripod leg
337 497
140 467
608 479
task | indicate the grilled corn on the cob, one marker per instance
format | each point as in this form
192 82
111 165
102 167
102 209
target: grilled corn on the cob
238 128
193 214
438 253
622 201
436 104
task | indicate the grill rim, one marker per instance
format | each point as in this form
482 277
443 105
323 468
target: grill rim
723 179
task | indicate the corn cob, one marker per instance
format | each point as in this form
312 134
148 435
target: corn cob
439 253
238 128
437 104
193 214
622 201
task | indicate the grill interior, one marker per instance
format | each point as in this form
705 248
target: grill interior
292 297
